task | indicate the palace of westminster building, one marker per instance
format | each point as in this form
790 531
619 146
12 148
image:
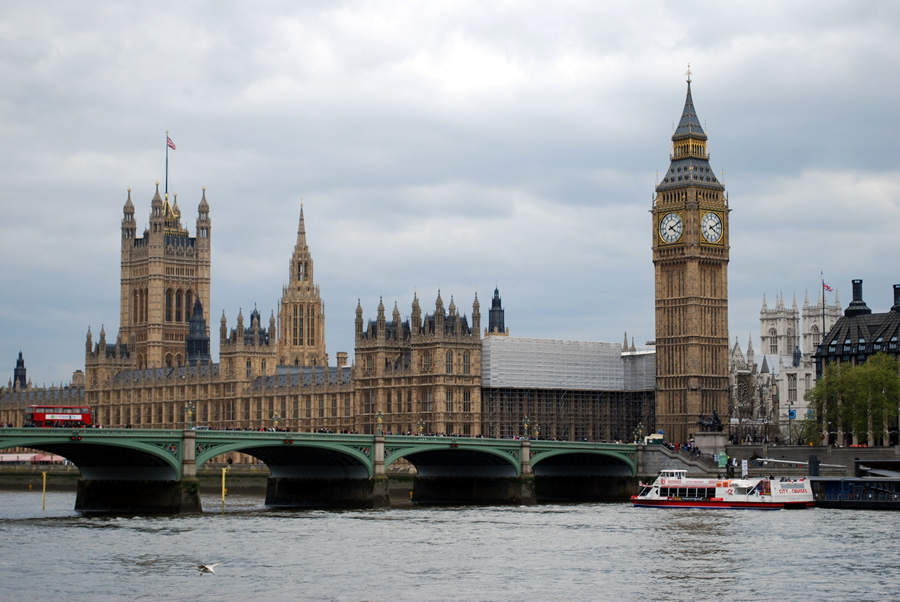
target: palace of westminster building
435 373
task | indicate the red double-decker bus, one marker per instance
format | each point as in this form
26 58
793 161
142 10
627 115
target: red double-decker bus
58 416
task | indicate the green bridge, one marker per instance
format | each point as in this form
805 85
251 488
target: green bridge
154 470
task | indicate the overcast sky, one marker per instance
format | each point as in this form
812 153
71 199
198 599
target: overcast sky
439 145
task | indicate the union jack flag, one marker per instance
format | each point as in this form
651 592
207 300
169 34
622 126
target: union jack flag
172 145
825 286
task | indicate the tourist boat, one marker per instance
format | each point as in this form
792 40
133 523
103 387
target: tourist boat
673 489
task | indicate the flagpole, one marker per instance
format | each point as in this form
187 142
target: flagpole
167 168
822 274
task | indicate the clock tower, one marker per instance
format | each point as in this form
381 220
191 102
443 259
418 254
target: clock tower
690 257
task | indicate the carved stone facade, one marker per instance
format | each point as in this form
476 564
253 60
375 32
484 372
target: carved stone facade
422 375
690 255
163 273
302 337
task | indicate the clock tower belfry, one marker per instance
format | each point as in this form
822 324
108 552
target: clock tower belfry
690 257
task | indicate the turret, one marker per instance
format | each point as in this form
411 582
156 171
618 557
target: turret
359 319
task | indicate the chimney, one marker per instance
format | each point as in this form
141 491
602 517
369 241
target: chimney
896 298
857 307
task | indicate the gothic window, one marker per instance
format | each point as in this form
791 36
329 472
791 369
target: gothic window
792 387
388 402
466 362
136 304
311 330
178 302
334 411
249 369
308 406
300 271
816 337
426 362
773 341
467 401
450 400
169 305
449 362
321 406
297 325
262 366
409 401
188 305
427 401
370 364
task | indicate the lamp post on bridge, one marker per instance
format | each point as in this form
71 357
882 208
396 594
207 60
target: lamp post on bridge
537 430
525 425
275 419
189 412
421 426
379 417
638 432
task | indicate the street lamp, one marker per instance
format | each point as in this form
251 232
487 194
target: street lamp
525 425
421 426
791 415
189 411
537 431
275 419
379 417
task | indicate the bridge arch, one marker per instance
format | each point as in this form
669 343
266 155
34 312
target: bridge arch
110 457
290 457
455 457
585 461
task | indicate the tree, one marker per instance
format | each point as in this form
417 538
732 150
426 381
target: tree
856 400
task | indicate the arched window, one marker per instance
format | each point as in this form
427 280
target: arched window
449 362
169 305
773 341
816 336
178 305
249 369
466 368
188 305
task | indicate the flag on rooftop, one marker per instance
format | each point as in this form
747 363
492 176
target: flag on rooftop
827 288
170 143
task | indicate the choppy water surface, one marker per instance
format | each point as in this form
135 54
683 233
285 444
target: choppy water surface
590 551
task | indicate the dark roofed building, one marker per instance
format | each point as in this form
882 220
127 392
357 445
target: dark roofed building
860 333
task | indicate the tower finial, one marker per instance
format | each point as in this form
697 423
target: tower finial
688 73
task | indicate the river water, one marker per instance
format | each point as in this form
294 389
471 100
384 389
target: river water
547 552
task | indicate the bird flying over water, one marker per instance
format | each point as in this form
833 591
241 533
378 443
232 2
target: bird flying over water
208 568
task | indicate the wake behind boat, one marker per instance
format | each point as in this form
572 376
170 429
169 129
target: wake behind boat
673 489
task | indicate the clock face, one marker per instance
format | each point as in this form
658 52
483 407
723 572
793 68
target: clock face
711 226
670 227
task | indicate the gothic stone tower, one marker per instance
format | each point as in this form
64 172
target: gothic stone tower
163 273
301 340
690 255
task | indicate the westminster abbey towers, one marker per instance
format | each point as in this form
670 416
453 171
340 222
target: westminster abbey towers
690 255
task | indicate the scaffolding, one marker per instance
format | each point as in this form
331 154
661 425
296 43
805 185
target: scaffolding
567 390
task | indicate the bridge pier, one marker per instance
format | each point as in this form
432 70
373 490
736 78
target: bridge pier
286 492
137 497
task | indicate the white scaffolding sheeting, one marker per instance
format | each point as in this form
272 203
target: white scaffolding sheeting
553 364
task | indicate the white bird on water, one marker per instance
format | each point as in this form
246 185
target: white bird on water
208 568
